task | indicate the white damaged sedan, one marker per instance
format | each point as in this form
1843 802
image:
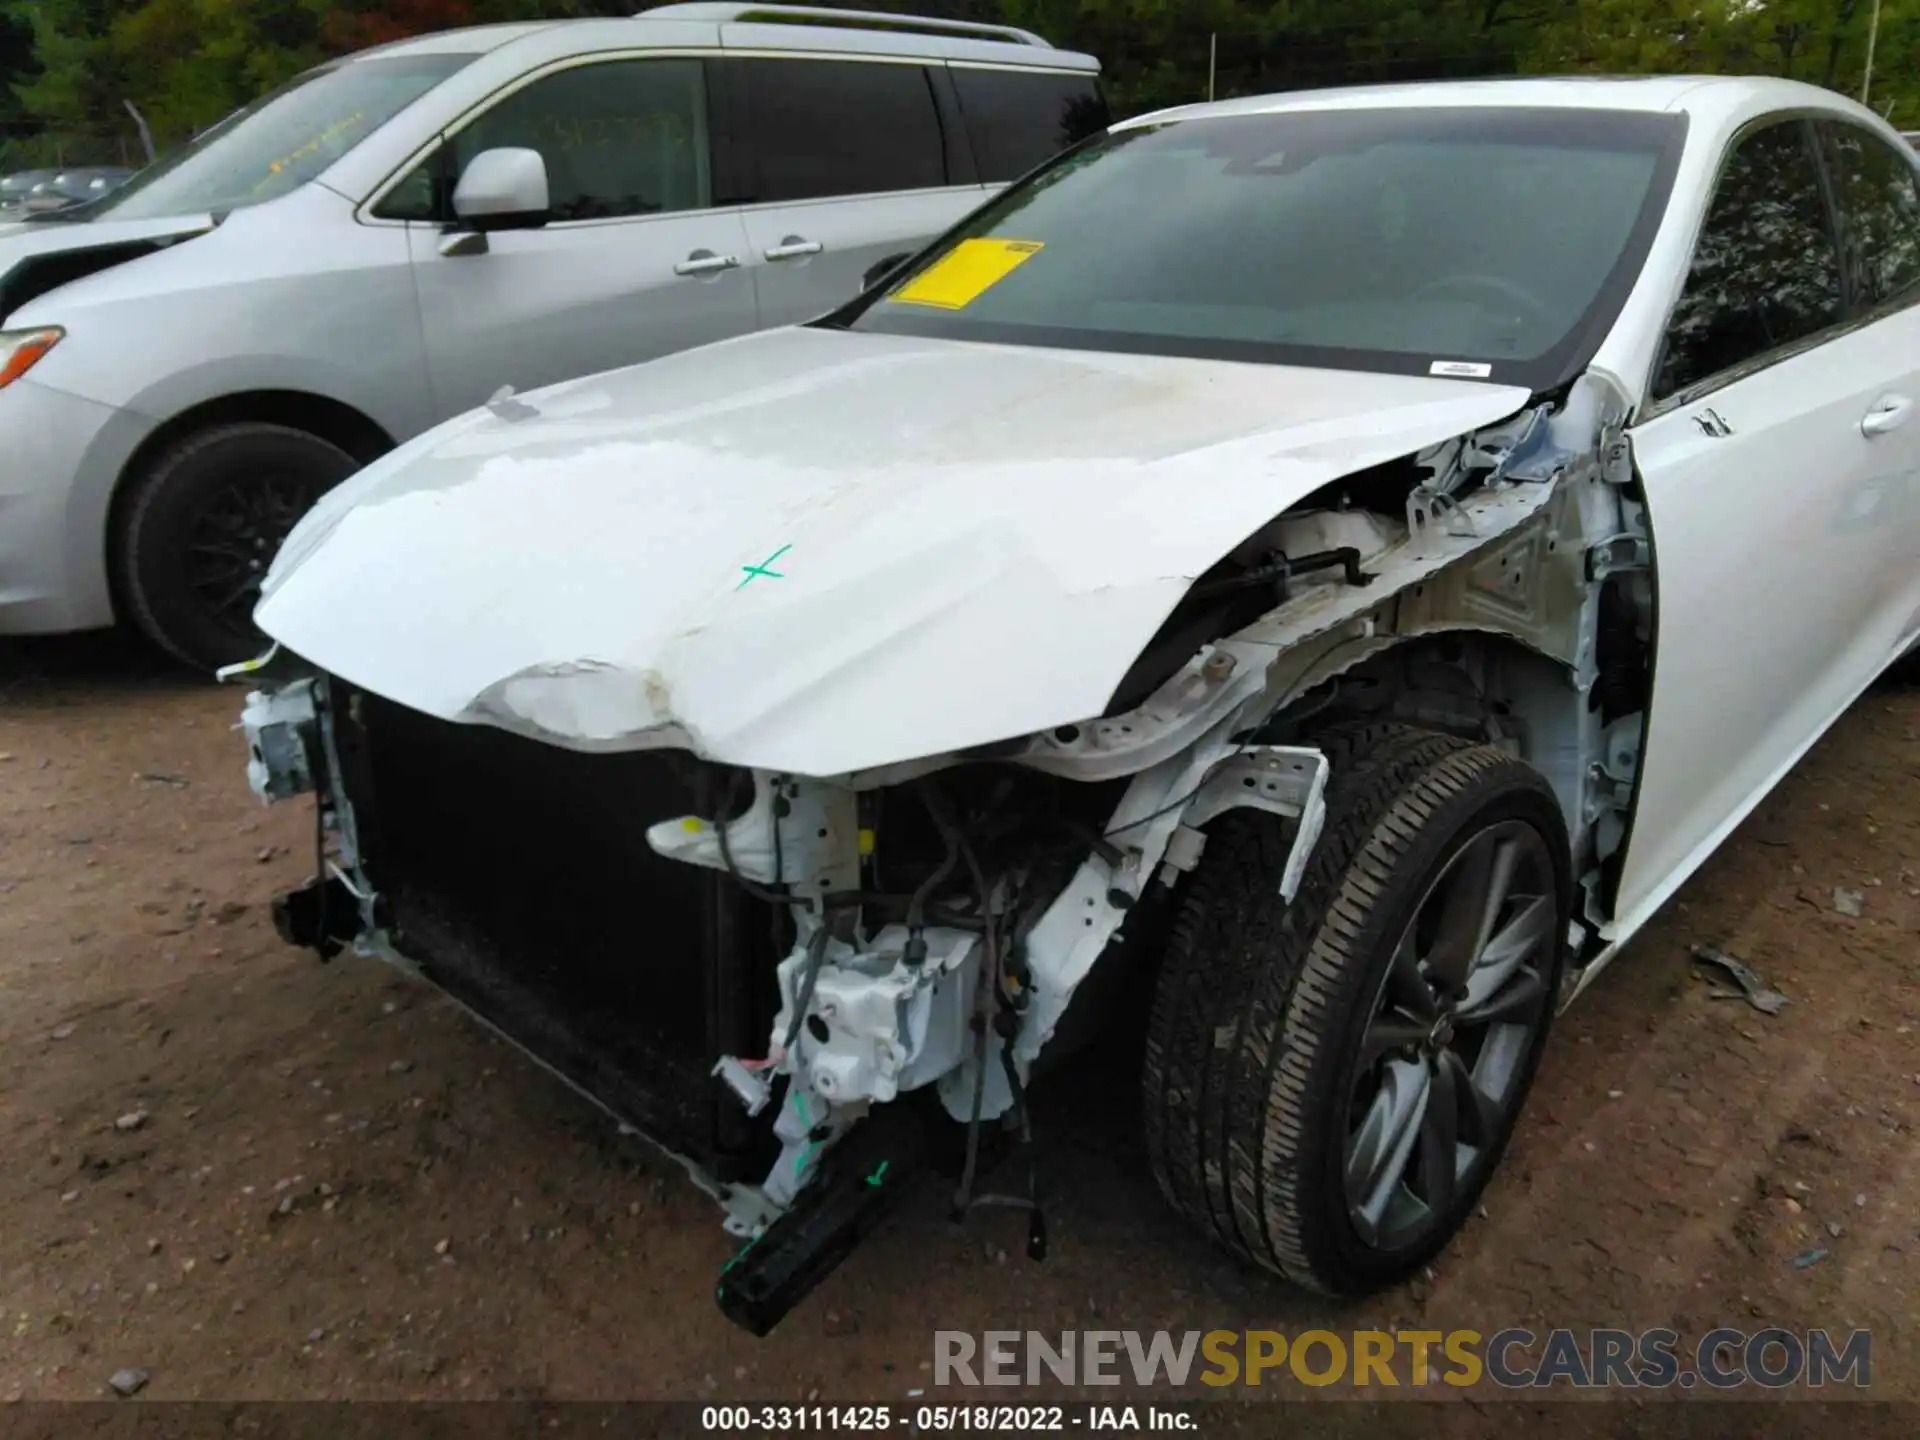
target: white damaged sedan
1325 567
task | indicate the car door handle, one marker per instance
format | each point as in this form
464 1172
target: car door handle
705 262
1889 412
793 247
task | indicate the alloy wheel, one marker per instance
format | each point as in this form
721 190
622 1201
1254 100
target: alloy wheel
1449 1035
235 536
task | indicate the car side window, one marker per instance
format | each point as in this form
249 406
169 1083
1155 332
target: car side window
1016 119
619 137
424 194
820 128
1766 269
1879 215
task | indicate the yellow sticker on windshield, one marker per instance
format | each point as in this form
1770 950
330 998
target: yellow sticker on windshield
966 272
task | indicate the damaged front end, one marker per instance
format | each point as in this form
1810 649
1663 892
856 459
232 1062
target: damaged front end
784 982
808 987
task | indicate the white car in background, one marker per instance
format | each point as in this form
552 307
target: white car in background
82 185
391 238
1369 547
16 187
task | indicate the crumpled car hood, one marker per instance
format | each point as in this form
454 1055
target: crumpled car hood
815 552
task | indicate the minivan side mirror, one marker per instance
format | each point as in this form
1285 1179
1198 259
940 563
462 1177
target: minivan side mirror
502 189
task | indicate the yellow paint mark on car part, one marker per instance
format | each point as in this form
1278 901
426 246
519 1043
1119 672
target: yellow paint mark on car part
967 272
693 825
866 842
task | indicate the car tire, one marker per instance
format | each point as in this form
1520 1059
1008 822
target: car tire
1283 1048
202 523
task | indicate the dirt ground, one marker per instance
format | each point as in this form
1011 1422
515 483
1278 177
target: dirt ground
342 1188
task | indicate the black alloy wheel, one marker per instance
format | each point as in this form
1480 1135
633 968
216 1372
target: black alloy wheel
200 528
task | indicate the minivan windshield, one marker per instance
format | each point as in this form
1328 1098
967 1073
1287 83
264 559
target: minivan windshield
1489 243
280 141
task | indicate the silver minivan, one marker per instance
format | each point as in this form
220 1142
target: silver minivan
393 238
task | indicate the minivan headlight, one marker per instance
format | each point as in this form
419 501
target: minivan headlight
21 350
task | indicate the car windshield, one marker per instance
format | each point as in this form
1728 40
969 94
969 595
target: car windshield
281 141
1488 243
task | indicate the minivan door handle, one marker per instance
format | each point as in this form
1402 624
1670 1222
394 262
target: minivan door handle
705 262
793 247
1889 412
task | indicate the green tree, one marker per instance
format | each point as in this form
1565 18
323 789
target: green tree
1823 42
191 62
188 62
69 84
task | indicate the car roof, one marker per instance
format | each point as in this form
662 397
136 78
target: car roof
1689 94
466 40
799 28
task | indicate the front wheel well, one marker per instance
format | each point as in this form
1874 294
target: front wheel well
330 420
1581 726
1462 682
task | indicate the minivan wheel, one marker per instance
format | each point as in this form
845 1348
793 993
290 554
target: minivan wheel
1328 1085
202 525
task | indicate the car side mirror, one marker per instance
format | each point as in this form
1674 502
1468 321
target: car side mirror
880 270
503 189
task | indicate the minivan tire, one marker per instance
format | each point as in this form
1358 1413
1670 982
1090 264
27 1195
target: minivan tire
1257 1100
202 523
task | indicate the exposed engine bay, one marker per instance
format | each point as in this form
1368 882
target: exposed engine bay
906 941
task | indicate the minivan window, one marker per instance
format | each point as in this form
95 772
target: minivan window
819 128
1879 215
620 138
1765 272
1492 242
282 140
1018 118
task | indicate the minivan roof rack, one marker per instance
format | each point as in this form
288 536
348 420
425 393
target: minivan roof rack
729 12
